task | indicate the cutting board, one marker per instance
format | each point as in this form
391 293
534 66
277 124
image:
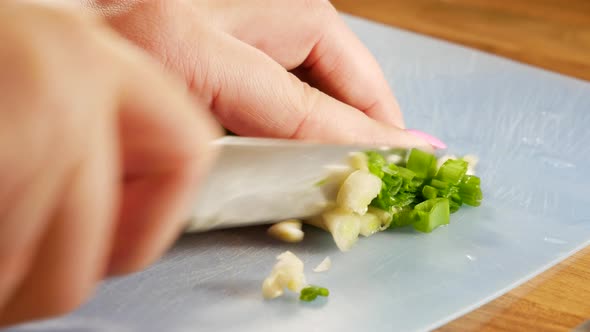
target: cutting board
529 127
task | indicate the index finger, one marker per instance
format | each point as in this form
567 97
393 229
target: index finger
342 66
252 95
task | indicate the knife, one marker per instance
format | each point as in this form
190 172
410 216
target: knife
260 181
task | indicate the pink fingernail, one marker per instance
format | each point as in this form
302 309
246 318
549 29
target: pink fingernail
435 142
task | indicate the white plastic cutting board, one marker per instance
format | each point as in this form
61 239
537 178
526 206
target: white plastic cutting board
531 130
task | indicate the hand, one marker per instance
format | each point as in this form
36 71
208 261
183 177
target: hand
246 59
99 155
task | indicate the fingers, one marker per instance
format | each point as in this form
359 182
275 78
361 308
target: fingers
73 250
340 65
61 204
113 142
31 202
321 49
166 152
32 170
251 91
263 99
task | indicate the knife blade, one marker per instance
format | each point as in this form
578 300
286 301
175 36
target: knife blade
259 181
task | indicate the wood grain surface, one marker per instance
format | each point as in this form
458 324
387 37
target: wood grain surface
551 34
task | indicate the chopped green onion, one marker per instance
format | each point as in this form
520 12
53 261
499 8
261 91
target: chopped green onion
405 217
391 184
375 162
417 182
470 190
399 156
455 202
432 214
406 174
310 293
440 185
422 163
452 171
455 197
406 190
321 182
429 192
403 199
384 216
454 207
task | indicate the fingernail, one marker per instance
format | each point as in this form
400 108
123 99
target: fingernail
435 142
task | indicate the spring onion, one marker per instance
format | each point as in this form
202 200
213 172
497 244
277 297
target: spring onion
359 161
429 192
431 214
310 293
376 192
375 163
358 190
424 179
287 231
324 265
344 226
287 273
452 171
370 224
385 217
398 189
423 164
405 217
470 191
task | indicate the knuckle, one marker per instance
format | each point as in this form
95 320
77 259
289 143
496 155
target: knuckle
320 15
159 28
37 109
322 9
43 65
323 6
311 98
306 102
203 77
44 42
150 25
47 136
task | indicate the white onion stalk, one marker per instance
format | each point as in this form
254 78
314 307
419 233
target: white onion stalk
287 231
370 224
358 161
472 162
385 217
343 225
358 190
324 266
287 273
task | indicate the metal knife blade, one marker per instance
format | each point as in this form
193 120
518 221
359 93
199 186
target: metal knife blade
258 181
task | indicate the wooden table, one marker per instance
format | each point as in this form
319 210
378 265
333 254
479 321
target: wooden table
552 34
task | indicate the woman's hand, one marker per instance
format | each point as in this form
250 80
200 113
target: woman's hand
100 154
249 61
